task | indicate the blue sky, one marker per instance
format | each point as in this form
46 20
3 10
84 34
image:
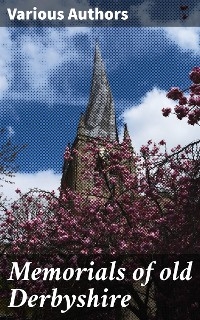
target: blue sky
45 77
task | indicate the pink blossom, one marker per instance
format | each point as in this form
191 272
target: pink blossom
166 112
195 88
174 93
195 75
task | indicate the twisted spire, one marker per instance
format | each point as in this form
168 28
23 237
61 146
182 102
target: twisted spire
100 118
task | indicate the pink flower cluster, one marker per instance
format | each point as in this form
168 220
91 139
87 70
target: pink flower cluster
195 75
134 203
128 204
186 107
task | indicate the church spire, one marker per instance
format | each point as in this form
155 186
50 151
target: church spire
100 114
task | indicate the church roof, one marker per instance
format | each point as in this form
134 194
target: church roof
99 119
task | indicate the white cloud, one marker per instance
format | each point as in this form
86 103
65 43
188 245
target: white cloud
187 39
3 83
44 180
78 30
11 131
145 122
40 55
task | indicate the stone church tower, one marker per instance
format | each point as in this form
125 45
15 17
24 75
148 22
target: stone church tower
99 121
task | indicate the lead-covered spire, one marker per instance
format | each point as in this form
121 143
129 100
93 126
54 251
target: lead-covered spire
100 114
